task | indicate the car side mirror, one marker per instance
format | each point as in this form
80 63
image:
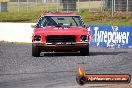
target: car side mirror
33 26
85 26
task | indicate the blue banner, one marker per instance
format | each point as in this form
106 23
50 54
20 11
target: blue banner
111 36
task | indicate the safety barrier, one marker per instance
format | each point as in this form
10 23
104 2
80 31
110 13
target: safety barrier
102 36
111 36
16 32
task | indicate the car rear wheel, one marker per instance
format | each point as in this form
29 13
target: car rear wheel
85 51
35 51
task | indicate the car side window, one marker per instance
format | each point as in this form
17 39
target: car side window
41 23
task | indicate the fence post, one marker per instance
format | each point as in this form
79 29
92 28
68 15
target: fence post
78 5
89 5
27 5
36 3
102 5
112 8
47 5
67 6
127 6
57 5
18 6
114 5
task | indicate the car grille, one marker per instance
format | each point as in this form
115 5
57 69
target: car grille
60 38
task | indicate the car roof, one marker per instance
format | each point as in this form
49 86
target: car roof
60 14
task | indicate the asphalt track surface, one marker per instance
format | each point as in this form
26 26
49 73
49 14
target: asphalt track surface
18 69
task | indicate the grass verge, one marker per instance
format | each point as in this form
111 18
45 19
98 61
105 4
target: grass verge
99 18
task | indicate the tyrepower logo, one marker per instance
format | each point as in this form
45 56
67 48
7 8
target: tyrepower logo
83 78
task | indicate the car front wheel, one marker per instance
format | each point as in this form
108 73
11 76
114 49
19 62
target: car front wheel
85 51
35 51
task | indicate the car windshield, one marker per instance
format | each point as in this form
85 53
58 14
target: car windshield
60 21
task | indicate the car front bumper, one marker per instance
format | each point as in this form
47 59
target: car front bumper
61 47
61 44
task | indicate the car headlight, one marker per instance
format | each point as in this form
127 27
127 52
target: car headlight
37 38
83 38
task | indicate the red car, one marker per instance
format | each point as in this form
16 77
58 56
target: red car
60 32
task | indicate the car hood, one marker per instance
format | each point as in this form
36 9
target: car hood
72 30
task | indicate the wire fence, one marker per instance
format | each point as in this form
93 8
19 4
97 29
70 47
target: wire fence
58 5
69 5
